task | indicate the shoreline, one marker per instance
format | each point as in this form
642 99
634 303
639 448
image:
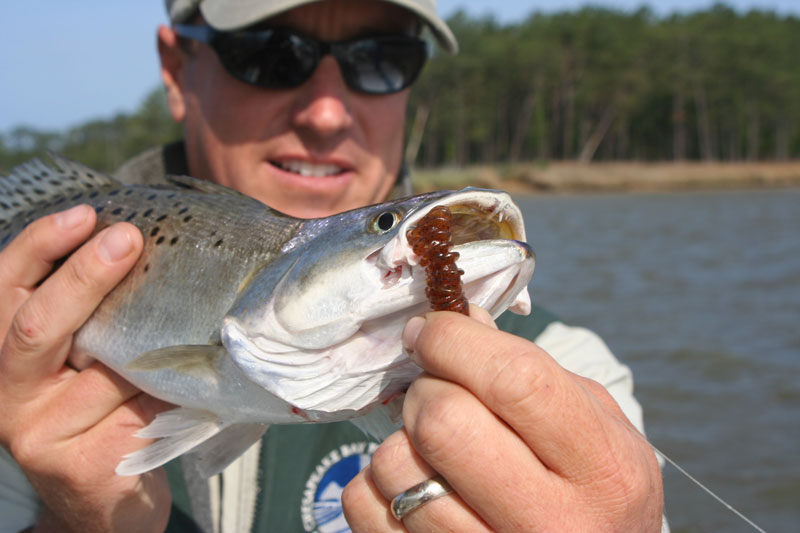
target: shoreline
620 176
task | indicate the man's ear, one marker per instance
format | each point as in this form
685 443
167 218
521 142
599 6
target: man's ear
172 62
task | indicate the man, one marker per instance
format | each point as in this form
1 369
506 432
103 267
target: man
523 444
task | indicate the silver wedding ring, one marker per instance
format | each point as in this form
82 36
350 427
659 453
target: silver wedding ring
419 495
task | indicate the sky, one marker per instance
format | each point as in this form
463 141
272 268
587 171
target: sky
63 63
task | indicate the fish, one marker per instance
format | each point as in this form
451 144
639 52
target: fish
242 316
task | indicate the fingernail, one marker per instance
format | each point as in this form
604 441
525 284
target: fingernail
72 217
411 332
116 244
481 315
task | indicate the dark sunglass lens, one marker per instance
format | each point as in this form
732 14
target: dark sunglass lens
295 60
270 59
381 65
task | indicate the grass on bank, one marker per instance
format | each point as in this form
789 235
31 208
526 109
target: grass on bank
612 176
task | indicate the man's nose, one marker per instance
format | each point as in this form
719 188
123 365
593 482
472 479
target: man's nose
323 106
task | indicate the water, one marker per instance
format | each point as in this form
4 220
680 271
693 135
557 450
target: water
699 293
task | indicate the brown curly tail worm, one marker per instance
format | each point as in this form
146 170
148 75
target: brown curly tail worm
430 240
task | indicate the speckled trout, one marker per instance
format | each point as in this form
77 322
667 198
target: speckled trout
244 317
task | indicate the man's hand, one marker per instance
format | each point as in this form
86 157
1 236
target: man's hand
525 444
69 429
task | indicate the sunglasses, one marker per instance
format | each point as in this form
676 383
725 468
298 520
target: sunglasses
279 58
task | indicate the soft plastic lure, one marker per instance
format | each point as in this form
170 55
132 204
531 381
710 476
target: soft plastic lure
430 240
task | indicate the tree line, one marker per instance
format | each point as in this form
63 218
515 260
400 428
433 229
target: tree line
590 84
600 84
103 144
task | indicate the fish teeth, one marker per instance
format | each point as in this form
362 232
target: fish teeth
304 168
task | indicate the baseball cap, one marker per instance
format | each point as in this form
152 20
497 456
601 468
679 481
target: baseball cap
228 15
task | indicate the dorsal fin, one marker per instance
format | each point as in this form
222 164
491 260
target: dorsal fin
201 185
36 182
210 187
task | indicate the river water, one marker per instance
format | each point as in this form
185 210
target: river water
699 293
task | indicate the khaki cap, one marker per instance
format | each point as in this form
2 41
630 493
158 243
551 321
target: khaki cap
236 14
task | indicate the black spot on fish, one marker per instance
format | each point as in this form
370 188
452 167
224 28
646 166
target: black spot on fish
171 196
40 192
5 240
116 211
130 217
45 173
25 181
162 217
80 194
151 197
160 240
173 241
55 183
15 204
114 192
182 211
154 231
187 218
218 243
93 194
19 191
5 205
147 267
59 200
147 213
176 204
90 185
99 208
128 192
90 175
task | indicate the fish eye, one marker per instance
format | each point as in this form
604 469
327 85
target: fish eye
385 221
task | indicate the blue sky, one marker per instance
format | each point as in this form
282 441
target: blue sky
65 62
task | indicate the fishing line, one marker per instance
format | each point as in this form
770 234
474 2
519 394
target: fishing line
709 491
697 482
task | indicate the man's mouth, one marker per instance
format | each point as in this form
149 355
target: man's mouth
309 170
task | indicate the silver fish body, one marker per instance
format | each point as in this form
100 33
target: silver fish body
244 317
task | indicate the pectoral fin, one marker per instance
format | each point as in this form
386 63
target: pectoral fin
215 454
194 359
179 430
213 444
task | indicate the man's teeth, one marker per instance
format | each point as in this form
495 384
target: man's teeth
305 168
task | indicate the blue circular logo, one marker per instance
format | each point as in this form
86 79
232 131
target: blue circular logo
321 508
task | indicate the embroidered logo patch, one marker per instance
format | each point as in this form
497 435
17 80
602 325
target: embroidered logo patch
321 506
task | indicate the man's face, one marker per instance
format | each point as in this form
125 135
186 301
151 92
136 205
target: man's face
261 141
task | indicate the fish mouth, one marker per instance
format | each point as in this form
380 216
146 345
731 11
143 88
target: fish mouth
488 232
477 215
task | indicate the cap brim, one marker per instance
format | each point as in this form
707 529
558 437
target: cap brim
440 29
